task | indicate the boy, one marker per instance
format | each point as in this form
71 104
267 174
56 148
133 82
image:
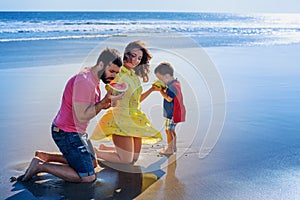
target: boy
174 109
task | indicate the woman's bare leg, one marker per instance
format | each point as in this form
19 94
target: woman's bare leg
137 148
124 153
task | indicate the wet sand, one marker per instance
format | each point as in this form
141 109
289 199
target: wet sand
255 157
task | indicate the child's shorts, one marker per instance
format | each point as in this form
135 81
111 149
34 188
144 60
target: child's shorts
77 153
170 125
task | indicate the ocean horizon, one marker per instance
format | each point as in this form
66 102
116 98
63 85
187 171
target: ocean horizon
208 29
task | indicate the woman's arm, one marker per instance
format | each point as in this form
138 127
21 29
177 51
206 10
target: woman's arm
149 91
146 94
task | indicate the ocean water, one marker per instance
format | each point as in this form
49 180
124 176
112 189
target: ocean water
209 29
29 39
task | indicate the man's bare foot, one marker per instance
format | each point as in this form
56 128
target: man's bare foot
41 155
167 151
33 169
19 178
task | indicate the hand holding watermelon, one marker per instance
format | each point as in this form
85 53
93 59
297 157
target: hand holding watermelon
117 88
117 91
159 84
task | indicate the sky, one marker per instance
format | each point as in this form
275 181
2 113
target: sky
233 6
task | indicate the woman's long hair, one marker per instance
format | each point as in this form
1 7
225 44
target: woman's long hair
143 69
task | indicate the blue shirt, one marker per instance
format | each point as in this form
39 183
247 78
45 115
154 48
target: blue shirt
169 106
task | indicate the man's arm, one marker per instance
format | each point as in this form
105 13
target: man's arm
85 112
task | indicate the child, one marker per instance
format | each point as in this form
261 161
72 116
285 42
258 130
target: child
174 109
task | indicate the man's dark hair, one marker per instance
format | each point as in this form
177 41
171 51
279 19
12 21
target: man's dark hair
164 68
108 56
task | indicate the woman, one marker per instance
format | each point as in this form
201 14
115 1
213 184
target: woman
126 123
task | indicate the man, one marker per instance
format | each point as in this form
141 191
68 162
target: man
80 103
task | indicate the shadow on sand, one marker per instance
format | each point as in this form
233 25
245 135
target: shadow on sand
114 181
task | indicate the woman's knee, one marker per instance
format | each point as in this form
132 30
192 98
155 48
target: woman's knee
126 159
124 148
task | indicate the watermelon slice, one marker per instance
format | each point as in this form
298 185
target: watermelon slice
117 88
159 83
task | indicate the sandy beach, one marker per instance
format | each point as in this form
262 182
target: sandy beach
240 140
257 155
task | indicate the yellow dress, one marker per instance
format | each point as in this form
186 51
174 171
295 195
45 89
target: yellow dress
126 118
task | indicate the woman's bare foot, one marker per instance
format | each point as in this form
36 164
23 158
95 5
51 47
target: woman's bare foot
33 169
97 152
106 148
102 147
97 168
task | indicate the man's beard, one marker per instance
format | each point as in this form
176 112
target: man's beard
102 76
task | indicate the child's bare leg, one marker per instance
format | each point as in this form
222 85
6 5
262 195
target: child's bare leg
51 156
174 141
169 150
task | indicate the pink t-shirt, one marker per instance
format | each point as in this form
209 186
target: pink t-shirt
81 88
